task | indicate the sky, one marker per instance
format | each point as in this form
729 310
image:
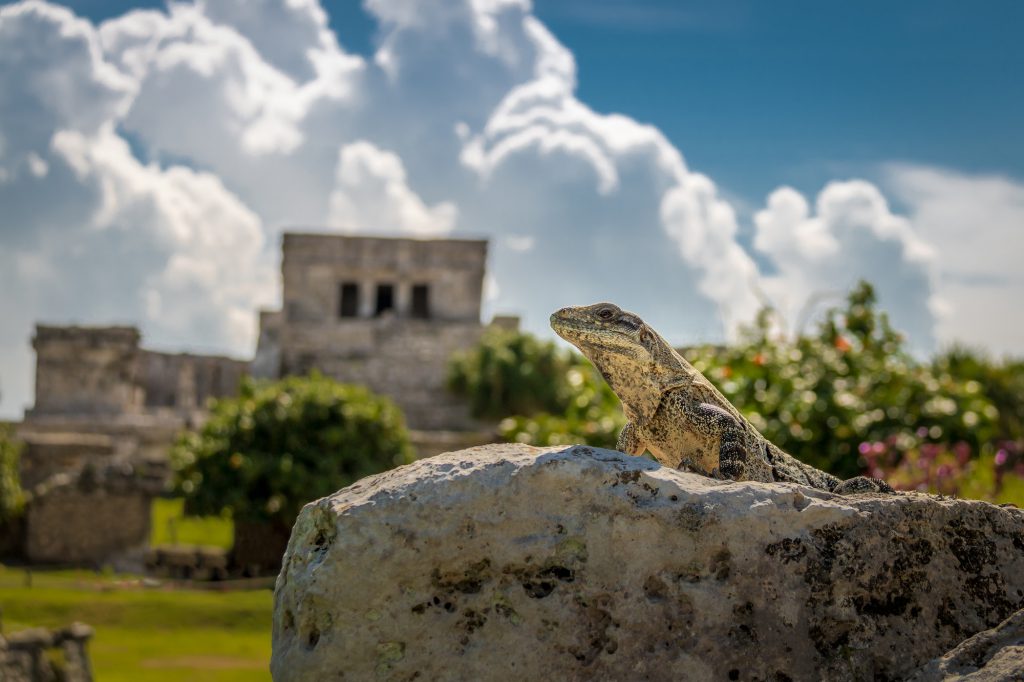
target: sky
689 161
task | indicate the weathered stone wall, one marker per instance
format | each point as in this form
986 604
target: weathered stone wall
185 382
430 443
394 353
99 397
78 522
46 454
25 656
96 373
87 370
266 364
406 360
314 266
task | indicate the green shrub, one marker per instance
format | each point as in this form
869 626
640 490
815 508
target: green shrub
822 396
263 455
847 397
12 498
592 416
512 373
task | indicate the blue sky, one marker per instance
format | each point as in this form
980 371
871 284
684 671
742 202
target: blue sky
690 161
759 94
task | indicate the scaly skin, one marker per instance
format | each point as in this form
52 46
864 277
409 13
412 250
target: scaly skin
675 412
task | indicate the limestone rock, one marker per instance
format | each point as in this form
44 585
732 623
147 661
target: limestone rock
508 562
995 655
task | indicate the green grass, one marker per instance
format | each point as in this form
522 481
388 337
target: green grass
153 634
172 527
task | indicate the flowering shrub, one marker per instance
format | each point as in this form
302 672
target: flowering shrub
953 470
847 398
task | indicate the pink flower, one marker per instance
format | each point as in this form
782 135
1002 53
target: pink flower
1001 458
864 448
963 451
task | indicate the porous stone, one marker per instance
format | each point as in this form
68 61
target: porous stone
509 562
995 655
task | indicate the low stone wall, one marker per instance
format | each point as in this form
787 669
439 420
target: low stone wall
41 655
93 515
187 563
76 527
430 443
46 454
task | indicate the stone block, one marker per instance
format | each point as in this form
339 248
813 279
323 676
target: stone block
518 563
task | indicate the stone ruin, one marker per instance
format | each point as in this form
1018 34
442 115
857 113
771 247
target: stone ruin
41 655
385 313
97 439
94 514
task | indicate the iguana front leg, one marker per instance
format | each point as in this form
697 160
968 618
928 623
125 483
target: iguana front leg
732 448
629 440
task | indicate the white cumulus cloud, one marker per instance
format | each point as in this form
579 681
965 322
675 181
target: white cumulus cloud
852 234
976 227
371 195
149 164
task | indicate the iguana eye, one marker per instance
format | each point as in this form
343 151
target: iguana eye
605 313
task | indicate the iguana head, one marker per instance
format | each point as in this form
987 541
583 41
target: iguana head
635 361
603 328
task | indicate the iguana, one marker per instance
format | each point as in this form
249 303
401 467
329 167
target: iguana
675 412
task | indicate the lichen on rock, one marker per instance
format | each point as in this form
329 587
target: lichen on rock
510 562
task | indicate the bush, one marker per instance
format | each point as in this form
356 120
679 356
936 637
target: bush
821 396
592 416
847 398
512 373
12 499
547 395
263 455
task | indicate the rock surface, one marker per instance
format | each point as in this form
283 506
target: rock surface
508 562
995 655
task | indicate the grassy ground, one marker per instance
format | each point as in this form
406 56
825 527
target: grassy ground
153 634
172 527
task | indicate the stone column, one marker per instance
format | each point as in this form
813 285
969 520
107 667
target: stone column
72 641
403 299
367 297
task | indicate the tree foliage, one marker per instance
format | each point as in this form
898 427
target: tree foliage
12 499
510 372
264 454
848 397
823 395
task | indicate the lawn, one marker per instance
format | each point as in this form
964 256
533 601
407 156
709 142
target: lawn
172 527
147 633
